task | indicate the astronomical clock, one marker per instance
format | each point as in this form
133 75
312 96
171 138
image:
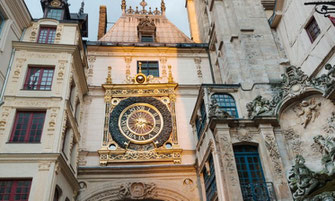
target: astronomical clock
140 121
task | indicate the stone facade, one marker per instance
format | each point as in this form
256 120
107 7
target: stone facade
14 19
242 110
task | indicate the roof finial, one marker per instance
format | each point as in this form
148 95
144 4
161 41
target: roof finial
123 6
143 4
81 10
163 8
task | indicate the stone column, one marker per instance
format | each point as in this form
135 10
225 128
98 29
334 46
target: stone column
272 162
230 181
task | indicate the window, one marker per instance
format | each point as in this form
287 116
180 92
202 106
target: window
17 190
58 193
147 39
149 68
47 35
209 179
201 121
55 14
250 173
66 141
312 29
28 127
39 78
72 95
2 20
77 111
227 103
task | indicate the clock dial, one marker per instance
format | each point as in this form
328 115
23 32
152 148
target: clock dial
140 123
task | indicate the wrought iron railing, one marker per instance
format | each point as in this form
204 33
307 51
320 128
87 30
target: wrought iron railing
258 192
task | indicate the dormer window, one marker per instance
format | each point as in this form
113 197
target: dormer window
146 29
55 13
147 39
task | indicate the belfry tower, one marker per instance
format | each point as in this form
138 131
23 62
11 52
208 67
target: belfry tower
137 142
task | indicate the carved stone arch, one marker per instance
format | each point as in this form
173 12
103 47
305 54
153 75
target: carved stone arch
288 101
125 191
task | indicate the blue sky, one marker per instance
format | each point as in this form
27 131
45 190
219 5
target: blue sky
175 12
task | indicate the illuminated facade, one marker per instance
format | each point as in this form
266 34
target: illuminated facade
242 110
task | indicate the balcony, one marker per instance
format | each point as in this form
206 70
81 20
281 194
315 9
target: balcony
258 192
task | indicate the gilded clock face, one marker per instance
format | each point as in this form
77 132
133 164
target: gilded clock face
141 123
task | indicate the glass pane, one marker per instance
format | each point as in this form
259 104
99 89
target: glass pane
55 14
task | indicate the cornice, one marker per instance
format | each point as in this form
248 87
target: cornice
137 169
78 63
17 11
37 157
41 47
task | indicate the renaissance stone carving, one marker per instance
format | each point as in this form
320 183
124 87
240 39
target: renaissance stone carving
260 107
301 180
272 148
137 190
229 161
326 81
327 145
216 111
330 125
326 196
294 80
307 111
293 140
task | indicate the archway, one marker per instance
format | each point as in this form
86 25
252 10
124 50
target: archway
132 191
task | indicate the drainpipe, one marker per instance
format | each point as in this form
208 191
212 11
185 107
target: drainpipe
8 71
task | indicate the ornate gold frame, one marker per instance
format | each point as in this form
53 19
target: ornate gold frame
114 93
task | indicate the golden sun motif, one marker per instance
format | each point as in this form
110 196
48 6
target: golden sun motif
141 122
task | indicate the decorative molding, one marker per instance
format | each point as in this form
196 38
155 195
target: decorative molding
294 83
229 161
44 166
271 146
329 127
197 62
59 33
137 190
61 69
128 61
17 71
293 140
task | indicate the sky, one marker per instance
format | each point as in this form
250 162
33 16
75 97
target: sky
175 12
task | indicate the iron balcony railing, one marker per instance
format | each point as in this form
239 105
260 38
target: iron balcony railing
258 192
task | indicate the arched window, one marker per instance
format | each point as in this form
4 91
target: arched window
250 173
227 103
58 193
209 179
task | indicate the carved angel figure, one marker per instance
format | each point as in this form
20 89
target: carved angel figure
301 180
308 111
